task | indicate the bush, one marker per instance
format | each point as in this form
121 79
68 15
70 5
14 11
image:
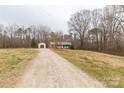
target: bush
72 47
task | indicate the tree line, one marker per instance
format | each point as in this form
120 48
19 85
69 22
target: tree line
99 29
15 36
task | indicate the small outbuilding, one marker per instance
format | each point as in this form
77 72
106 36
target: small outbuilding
41 45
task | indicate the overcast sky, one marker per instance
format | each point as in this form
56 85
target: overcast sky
55 17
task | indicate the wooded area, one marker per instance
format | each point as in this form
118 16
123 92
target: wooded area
99 29
14 36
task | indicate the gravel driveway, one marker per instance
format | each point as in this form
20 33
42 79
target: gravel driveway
49 70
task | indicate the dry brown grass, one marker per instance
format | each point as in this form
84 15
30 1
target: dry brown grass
12 63
117 61
109 69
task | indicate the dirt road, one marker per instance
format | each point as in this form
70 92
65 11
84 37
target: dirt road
49 70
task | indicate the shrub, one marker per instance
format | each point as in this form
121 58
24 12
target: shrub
72 47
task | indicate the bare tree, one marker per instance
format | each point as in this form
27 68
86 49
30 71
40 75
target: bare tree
1 35
96 18
79 23
112 25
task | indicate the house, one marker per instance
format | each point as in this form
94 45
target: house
63 44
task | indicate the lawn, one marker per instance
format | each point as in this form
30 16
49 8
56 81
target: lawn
108 69
12 64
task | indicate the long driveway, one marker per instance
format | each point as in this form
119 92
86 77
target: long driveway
49 70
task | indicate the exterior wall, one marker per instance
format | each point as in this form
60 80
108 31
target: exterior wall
52 46
63 46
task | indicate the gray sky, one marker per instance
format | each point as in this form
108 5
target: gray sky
55 17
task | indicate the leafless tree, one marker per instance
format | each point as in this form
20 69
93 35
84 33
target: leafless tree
79 23
96 19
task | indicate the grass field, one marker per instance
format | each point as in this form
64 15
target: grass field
108 69
12 63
